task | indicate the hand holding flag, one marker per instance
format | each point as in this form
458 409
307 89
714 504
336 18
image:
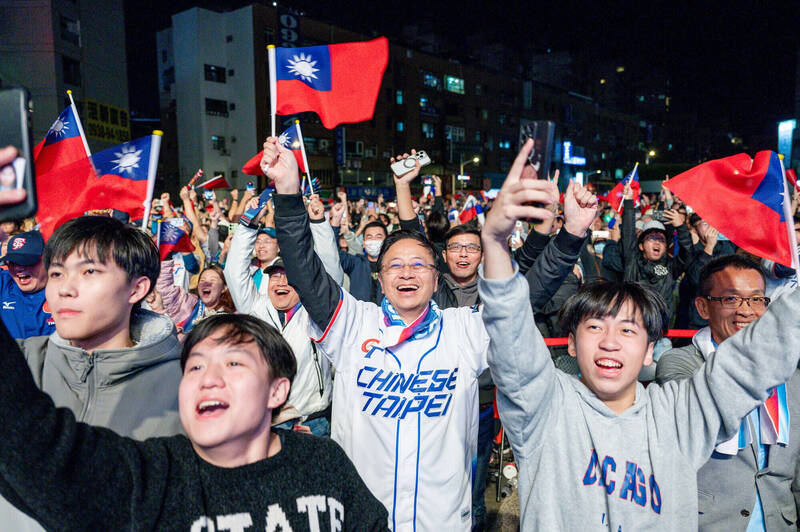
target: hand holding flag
279 164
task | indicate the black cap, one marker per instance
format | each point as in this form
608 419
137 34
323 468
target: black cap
278 264
24 249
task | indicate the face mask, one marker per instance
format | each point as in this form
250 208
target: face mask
599 247
373 247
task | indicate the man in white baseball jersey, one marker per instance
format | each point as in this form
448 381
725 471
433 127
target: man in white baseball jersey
405 394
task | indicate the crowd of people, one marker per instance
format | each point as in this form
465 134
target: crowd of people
315 364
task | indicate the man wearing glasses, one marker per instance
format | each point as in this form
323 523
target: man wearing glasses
749 483
462 254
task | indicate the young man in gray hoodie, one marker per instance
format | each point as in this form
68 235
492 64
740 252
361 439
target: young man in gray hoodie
602 452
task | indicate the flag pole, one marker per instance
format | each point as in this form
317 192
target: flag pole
303 151
273 86
787 215
635 166
78 123
152 168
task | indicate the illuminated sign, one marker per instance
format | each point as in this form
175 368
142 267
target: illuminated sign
572 159
785 133
106 122
454 84
463 178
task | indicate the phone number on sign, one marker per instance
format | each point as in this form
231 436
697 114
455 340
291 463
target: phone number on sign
104 132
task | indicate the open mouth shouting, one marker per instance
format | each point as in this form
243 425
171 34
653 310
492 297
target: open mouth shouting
608 367
408 288
281 291
211 408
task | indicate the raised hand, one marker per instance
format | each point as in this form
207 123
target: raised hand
437 185
337 212
316 210
409 176
711 240
514 199
279 164
235 194
580 209
674 217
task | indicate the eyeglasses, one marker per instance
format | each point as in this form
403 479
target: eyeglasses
471 248
398 267
656 237
754 302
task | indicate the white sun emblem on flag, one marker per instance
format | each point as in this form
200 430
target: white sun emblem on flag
169 232
284 139
59 128
303 67
128 159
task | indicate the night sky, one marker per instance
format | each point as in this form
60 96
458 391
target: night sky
732 63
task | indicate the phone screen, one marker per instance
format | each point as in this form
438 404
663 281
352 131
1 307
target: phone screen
542 132
15 131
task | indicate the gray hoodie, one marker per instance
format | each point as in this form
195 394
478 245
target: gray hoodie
584 467
132 391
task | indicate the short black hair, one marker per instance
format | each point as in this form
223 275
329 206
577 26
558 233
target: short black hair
437 226
694 218
106 239
606 298
404 234
463 229
739 262
376 223
243 329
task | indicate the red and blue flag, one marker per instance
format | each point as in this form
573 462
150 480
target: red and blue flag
112 179
339 82
742 198
215 182
615 196
62 145
290 140
173 236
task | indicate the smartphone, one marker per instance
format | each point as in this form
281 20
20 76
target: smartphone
542 132
15 130
250 186
370 205
428 181
404 166
208 195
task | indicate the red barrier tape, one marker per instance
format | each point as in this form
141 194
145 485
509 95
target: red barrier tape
672 333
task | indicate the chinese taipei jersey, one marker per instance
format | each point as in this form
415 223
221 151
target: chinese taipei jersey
406 413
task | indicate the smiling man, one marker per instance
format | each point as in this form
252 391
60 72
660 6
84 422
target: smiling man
405 394
602 452
751 481
24 310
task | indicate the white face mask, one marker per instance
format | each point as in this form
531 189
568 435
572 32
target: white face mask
373 247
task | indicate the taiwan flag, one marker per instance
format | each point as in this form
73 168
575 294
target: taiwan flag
62 145
112 179
290 140
615 196
173 236
742 198
215 182
339 82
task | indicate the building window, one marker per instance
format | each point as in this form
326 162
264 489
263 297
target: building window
485 114
501 119
216 107
217 142
454 84
400 126
70 30
215 73
229 38
398 97
430 79
478 89
71 69
455 133
428 130
477 136
230 72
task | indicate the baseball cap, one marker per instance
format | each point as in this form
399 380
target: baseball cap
24 249
652 226
268 231
277 265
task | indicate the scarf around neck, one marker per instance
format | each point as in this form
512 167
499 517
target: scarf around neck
398 332
773 413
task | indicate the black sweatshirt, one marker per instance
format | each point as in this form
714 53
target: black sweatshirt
71 476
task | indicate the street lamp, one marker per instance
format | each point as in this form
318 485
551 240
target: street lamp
461 165
651 153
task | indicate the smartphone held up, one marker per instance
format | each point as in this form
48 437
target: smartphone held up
15 131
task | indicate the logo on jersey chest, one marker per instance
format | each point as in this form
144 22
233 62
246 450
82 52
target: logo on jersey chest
396 394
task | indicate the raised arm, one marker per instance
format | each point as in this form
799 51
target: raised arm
56 469
736 378
520 362
627 249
